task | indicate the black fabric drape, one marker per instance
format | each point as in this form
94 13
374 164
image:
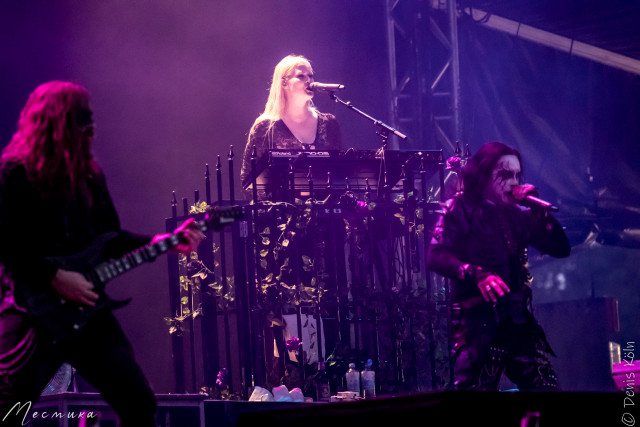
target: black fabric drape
573 120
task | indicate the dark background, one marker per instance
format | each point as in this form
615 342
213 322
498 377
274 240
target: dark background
174 84
576 124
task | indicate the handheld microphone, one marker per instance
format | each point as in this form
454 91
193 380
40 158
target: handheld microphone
531 201
325 87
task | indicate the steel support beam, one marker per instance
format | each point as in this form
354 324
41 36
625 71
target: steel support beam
424 72
555 41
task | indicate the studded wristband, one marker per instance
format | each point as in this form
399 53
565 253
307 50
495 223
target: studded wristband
469 271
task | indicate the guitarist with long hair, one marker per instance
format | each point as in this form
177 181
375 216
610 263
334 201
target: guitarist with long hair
53 203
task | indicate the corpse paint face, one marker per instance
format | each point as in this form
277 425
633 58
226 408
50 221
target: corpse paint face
504 177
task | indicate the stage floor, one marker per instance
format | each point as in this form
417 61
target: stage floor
447 408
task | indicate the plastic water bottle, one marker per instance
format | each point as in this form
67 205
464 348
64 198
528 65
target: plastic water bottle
353 379
368 381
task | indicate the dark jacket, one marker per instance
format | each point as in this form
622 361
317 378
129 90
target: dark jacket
494 238
33 227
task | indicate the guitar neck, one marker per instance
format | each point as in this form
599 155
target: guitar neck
109 270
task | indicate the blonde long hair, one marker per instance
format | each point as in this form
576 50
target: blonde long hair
277 102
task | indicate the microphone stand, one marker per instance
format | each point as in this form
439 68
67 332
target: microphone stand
383 130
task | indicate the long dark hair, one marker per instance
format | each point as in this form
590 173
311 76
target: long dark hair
477 172
49 139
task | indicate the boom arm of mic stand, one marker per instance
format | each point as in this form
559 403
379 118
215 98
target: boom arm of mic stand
384 127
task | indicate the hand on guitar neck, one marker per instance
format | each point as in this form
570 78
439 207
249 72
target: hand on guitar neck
192 237
73 286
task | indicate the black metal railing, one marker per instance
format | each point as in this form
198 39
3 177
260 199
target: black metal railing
342 255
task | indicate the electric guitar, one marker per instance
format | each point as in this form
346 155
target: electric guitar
62 318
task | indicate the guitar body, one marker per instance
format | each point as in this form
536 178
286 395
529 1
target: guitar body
61 318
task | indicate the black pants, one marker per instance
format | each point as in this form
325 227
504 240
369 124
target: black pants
485 348
100 353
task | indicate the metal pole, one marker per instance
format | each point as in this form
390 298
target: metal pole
174 303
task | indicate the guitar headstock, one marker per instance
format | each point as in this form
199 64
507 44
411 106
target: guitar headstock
219 216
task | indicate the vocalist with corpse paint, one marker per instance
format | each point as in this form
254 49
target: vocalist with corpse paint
481 243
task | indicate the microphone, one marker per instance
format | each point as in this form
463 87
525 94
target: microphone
532 201
325 87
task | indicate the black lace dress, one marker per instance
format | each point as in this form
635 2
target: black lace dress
276 135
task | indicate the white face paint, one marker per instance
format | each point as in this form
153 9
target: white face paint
504 177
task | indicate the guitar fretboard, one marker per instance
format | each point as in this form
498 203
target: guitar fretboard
109 270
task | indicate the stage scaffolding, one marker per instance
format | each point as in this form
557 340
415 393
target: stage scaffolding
423 57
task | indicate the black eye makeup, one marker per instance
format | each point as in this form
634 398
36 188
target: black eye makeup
504 175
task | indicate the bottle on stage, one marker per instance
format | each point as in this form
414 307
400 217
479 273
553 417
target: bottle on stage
353 379
368 381
321 380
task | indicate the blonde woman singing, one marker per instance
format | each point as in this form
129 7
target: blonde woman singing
290 120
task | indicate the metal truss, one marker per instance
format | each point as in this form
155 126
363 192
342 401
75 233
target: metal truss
554 41
424 71
425 104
